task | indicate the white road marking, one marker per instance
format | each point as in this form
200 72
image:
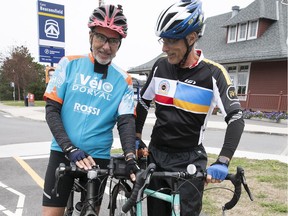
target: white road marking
20 203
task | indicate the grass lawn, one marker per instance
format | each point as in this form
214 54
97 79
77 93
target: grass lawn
21 103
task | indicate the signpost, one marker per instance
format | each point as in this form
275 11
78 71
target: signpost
12 85
51 32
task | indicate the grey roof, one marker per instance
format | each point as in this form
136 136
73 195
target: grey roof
146 67
257 9
271 45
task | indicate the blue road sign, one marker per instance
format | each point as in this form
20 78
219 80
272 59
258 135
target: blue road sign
51 24
51 51
51 31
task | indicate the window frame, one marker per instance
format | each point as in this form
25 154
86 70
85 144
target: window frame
250 29
236 75
229 34
240 31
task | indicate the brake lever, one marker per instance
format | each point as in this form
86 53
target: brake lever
244 182
58 175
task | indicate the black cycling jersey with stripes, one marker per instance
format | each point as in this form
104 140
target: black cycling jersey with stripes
185 98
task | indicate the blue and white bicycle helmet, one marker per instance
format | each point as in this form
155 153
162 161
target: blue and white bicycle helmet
180 19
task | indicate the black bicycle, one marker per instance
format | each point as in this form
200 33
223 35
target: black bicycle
119 186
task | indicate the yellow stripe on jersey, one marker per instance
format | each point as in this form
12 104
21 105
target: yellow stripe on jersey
196 108
224 71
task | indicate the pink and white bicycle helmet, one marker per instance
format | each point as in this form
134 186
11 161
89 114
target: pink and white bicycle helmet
111 17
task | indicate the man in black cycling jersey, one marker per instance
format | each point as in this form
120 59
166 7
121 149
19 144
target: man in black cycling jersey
186 87
85 98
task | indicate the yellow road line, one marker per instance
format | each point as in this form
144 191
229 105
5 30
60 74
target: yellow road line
31 172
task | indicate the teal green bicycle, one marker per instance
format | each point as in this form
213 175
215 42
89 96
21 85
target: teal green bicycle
143 179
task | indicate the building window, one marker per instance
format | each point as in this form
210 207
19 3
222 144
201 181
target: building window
232 34
239 75
253 29
242 32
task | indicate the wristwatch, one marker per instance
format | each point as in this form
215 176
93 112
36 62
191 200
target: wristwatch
223 160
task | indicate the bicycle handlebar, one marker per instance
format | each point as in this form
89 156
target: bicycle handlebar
236 179
141 176
77 172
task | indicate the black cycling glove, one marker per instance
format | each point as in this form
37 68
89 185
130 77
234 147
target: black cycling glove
131 167
75 154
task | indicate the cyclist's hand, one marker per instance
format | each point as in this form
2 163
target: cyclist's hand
80 158
141 148
216 173
132 168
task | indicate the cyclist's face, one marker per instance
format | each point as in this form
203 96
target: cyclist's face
104 44
175 50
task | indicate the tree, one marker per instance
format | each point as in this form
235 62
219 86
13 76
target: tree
21 69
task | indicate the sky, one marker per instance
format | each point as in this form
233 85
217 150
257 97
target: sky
19 26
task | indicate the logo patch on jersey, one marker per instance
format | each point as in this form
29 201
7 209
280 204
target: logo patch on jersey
164 87
231 93
93 86
193 82
86 109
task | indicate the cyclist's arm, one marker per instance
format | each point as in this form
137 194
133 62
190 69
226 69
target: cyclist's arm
54 121
226 99
147 94
126 128
233 134
141 115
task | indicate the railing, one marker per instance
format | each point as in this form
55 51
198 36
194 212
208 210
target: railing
264 102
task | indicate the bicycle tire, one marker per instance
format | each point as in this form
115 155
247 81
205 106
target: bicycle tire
120 194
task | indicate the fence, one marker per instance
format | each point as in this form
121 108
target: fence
264 102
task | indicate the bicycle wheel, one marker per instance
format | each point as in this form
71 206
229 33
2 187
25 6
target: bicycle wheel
120 194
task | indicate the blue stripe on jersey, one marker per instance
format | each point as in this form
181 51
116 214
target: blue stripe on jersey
193 94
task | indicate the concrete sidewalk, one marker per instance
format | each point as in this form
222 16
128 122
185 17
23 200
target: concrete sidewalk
215 121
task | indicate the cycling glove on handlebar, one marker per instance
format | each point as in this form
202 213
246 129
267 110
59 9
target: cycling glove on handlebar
131 167
218 171
74 154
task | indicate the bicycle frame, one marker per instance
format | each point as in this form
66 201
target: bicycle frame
174 199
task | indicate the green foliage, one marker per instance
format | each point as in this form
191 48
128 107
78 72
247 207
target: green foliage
37 103
28 76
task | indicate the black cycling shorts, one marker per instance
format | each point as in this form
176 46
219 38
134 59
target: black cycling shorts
66 182
191 191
